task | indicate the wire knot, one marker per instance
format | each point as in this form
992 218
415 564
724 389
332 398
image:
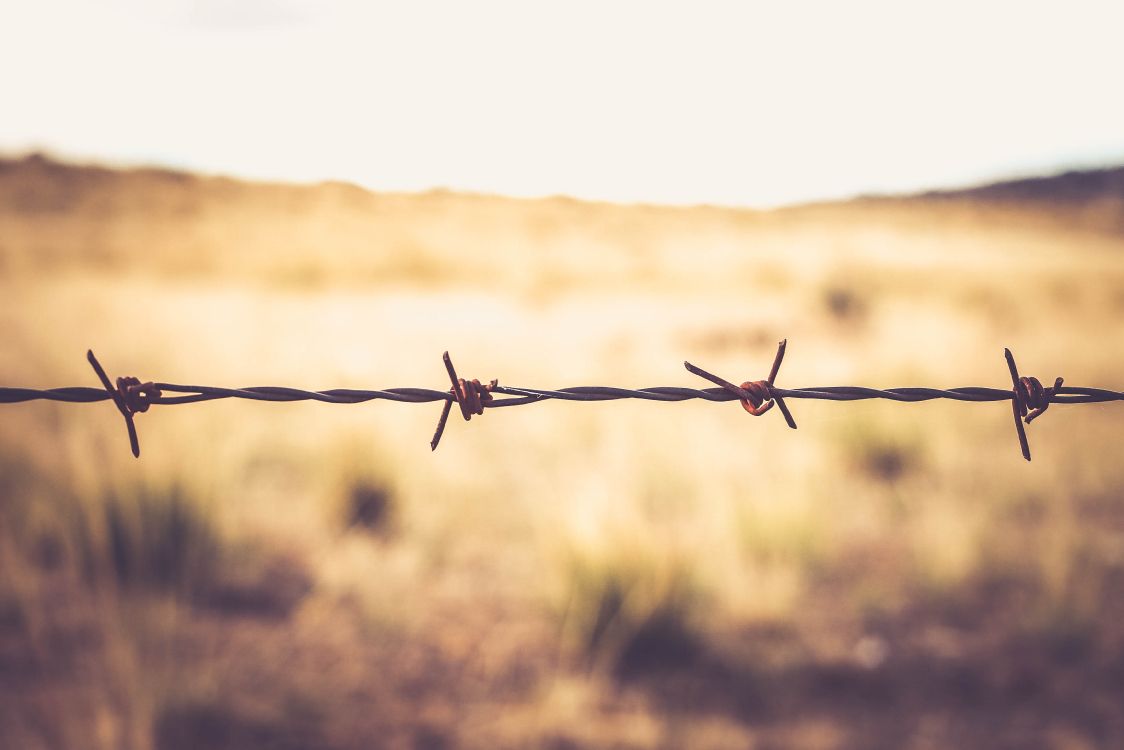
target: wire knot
756 396
759 392
472 396
1033 399
135 395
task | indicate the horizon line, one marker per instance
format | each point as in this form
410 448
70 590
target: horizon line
1000 177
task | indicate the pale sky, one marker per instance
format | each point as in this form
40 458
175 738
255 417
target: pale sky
749 103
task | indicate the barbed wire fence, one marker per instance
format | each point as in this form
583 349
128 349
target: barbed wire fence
1029 399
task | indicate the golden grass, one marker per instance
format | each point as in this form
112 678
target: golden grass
540 562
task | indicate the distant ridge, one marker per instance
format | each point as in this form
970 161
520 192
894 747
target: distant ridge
1075 186
1071 188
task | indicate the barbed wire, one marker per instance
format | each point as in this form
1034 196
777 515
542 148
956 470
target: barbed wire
1029 399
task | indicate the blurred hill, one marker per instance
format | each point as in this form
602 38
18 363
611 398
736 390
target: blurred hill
1097 186
1090 199
55 214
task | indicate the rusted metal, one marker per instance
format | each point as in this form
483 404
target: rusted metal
470 395
756 396
1037 398
122 398
137 395
1029 399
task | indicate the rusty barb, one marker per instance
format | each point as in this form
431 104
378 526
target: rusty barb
756 396
131 397
1029 399
469 394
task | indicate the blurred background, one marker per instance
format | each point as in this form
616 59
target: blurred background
331 194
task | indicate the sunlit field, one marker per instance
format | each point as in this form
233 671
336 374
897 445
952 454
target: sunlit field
560 575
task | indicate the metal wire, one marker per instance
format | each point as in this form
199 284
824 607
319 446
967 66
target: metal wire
1029 399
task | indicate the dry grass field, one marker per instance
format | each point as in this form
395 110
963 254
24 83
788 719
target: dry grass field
614 575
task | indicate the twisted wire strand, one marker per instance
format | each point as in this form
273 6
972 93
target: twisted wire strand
278 394
1029 399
